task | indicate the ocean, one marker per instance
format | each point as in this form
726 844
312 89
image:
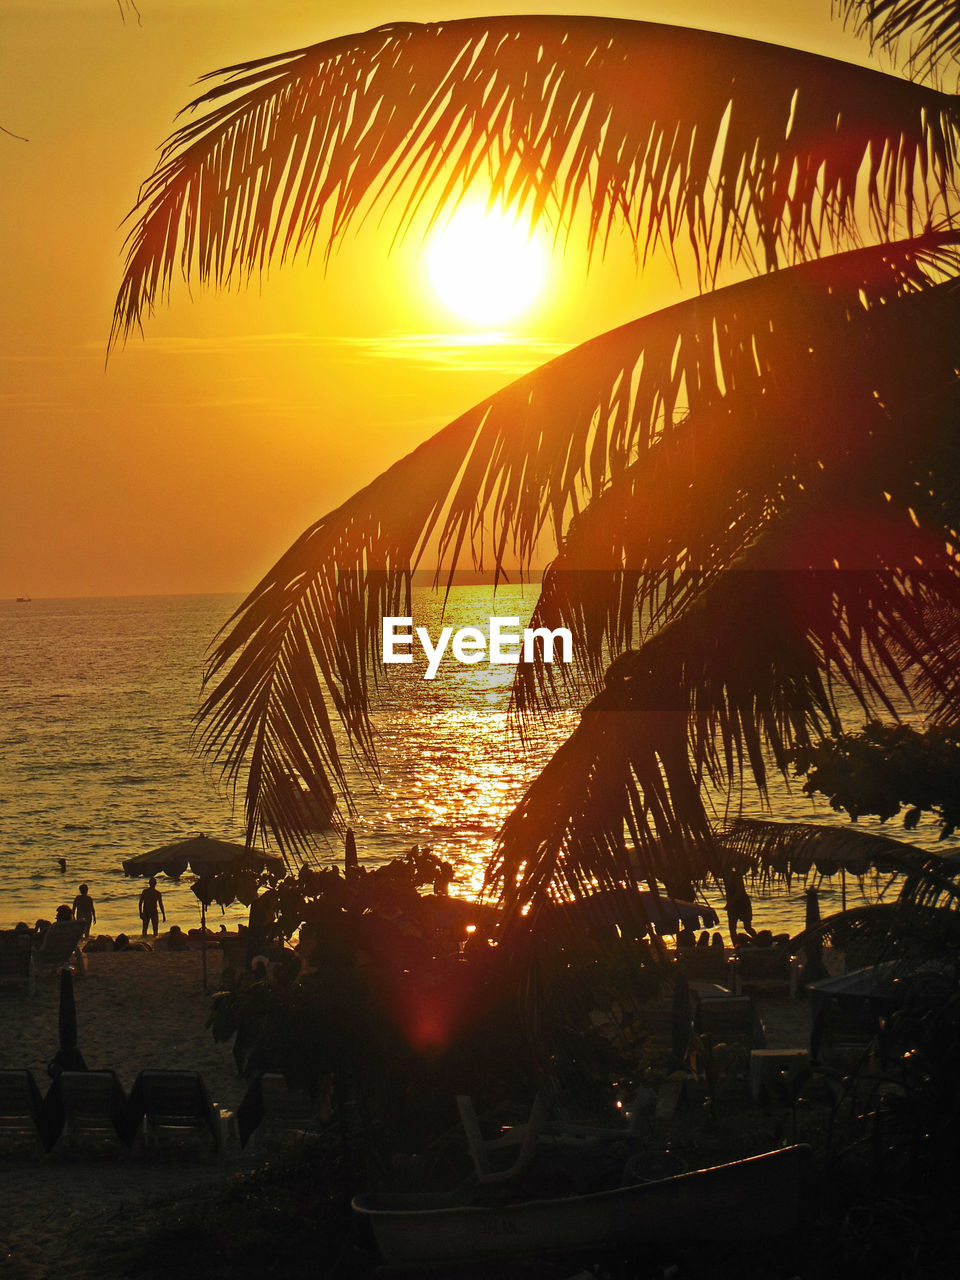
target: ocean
97 698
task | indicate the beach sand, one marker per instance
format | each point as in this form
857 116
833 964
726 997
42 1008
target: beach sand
134 1010
66 1215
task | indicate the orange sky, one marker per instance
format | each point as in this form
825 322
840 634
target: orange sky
198 454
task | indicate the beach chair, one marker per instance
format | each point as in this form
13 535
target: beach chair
272 1111
519 1141
173 1106
843 1035
730 1020
766 969
17 966
234 953
21 1111
87 1108
665 1027
61 946
705 964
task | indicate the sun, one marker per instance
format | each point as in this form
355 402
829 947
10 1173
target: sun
485 266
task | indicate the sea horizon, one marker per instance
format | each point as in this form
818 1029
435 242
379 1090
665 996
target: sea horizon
99 698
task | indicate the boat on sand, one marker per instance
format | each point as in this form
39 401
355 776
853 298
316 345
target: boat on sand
755 1197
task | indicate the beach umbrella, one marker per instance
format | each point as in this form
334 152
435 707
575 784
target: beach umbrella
680 1016
668 914
68 1056
203 855
351 863
814 969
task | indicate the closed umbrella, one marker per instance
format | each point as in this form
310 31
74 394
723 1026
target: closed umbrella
680 1016
351 863
814 969
68 1057
203 855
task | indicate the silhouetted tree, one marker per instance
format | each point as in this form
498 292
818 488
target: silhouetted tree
754 492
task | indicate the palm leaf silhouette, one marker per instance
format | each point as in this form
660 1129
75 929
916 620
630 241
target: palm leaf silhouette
930 29
662 527
688 466
709 695
777 848
304 646
730 141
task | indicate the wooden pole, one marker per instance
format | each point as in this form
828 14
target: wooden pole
203 943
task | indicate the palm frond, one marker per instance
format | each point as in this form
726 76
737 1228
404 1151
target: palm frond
935 884
672 130
872 410
303 647
930 29
787 849
900 934
743 675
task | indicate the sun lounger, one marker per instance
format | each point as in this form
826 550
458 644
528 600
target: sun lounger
271 1109
21 1110
173 1105
61 946
234 953
569 1145
847 1010
765 969
520 1141
842 1035
87 1107
730 1020
705 964
665 1026
17 967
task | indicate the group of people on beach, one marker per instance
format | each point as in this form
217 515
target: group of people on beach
84 909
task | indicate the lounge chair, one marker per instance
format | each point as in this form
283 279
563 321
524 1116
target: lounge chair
519 1140
173 1105
705 964
847 1010
271 1109
87 1107
843 1035
573 1148
234 953
665 1024
730 1019
60 946
765 969
17 966
21 1110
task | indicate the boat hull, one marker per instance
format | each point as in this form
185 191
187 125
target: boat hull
758 1196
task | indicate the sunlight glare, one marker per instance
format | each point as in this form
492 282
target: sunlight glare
484 265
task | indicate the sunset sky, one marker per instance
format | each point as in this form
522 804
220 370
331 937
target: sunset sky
196 455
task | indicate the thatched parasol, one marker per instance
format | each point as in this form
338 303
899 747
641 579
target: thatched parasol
203 855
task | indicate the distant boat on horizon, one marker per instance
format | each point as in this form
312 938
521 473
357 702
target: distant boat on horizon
24 599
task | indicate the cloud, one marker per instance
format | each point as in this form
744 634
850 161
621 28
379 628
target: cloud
450 352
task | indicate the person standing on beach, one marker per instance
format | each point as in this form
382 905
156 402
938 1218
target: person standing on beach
739 906
84 911
151 901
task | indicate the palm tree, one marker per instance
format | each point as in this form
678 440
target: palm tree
753 492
